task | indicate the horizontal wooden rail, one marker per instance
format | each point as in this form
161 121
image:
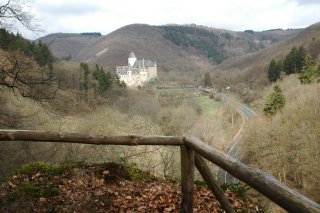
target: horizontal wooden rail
259 180
130 140
264 183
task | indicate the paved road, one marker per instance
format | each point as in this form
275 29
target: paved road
234 149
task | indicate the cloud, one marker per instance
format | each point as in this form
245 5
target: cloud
107 16
67 8
306 2
305 15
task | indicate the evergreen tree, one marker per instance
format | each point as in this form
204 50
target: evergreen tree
293 62
300 56
40 51
28 79
117 81
85 83
309 71
275 101
274 70
44 57
99 80
289 62
105 80
207 79
108 80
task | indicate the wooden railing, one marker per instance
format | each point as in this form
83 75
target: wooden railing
193 150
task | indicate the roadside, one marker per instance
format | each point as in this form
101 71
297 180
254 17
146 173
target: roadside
217 124
234 150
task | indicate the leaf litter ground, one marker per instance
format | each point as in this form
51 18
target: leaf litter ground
106 187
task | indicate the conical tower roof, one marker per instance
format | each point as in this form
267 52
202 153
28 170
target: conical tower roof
132 55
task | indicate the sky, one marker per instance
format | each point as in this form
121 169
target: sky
105 16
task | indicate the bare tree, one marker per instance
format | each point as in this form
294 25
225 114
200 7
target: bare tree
14 12
21 74
24 67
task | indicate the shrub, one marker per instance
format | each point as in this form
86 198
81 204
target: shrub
308 72
275 102
207 79
287 146
238 188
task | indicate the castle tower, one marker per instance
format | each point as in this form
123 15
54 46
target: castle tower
132 59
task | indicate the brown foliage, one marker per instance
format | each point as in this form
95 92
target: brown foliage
100 188
287 145
251 69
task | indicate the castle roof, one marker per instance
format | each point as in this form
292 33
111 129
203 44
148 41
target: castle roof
143 63
132 55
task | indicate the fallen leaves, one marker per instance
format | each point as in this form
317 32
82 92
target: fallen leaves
160 196
88 189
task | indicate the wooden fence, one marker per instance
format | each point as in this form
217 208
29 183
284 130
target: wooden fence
193 150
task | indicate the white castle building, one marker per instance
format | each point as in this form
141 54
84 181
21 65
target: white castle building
137 72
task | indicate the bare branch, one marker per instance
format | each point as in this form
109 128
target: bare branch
21 73
13 12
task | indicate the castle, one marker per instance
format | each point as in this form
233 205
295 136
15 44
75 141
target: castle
137 72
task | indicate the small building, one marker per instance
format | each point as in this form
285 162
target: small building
137 72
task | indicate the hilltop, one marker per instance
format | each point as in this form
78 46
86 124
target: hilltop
67 45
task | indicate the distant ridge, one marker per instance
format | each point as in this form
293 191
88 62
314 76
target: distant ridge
68 44
251 69
177 48
98 34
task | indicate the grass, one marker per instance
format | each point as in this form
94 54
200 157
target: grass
34 190
207 105
139 175
50 169
29 190
38 181
238 188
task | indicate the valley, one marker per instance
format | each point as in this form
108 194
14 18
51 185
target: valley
252 97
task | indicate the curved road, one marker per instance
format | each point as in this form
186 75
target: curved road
234 149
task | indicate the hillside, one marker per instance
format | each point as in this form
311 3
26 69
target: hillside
65 45
146 41
220 44
176 48
251 69
290 139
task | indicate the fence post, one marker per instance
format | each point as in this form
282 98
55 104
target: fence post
187 179
208 178
264 183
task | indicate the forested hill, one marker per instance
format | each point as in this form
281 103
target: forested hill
251 70
177 48
218 44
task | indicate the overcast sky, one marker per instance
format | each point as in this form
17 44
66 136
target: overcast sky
106 16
